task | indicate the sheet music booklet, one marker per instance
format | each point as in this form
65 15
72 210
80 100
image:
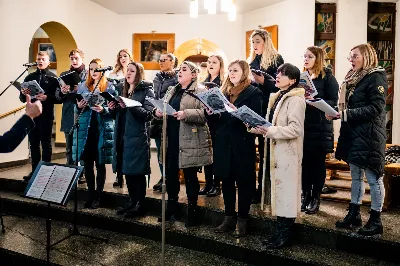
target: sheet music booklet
117 99
53 182
214 100
159 104
250 117
323 106
307 83
70 78
33 86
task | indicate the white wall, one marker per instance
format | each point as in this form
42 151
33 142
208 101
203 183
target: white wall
295 20
19 20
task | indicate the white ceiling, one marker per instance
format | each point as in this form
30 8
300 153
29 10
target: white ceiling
175 6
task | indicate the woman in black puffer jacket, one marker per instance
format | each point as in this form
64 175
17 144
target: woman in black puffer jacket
318 131
363 136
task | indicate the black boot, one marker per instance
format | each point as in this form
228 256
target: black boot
285 237
305 200
128 206
158 186
277 233
215 191
205 189
191 217
313 206
353 217
228 225
241 226
119 180
373 226
171 211
138 210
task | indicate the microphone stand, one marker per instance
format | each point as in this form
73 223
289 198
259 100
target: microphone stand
26 70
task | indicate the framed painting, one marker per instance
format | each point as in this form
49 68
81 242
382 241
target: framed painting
44 44
147 48
273 30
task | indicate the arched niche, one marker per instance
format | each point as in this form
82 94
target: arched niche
198 46
63 42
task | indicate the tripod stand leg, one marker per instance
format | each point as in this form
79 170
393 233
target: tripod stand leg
3 229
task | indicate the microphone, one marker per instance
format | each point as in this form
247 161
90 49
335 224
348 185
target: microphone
30 64
103 69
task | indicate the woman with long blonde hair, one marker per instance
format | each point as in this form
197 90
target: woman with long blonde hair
95 132
264 61
124 57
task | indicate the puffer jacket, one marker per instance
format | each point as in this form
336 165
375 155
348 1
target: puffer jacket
105 126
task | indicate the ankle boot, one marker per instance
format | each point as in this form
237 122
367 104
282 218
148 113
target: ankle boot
285 237
228 225
128 206
313 206
277 233
171 211
215 191
240 228
157 187
353 217
119 180
191 218
138 210
373 226
205 189
305 200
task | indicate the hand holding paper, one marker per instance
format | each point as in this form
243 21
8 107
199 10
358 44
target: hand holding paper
323 106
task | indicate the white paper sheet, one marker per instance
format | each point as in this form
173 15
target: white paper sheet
59 183
323 106
40 182
129 102
159 104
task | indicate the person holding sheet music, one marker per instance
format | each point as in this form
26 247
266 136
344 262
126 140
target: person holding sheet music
264 61
67 96
188 141
215 74
286 111
318 131
41 134
131 153
124 57
162 81
235 150
95 133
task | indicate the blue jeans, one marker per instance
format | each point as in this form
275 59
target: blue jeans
377 189
159 150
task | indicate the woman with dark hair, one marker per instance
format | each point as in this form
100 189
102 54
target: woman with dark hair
318 131
162 81
215 74
286 111
362 137
188 141
264 61
131 153
235 150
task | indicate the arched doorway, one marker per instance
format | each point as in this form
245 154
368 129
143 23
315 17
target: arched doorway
62 42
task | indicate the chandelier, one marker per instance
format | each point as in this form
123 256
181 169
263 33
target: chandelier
228 6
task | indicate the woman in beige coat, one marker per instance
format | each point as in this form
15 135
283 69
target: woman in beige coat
286 111
188 141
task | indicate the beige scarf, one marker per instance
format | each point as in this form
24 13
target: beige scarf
235 91
350 82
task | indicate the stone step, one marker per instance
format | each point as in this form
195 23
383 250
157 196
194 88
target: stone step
202 238
343 184
345 196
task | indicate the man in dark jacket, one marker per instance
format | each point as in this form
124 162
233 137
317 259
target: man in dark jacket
41 134
11 139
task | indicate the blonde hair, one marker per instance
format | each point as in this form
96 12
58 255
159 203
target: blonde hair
269 53
369 55
102 86
319 64
138 78
43 53
118 65
227 85
221 66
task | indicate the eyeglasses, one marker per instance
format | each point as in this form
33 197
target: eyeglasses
309 57
353 57
163 60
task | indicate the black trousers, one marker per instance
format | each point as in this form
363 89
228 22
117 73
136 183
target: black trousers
40 135
261 143
246 188
136 187
313 172
211 180
68 141
191 182
95 185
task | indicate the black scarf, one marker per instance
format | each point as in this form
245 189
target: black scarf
79 69
281 94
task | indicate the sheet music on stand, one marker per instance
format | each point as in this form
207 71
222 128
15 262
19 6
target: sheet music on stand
53 182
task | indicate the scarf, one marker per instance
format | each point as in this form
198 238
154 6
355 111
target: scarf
167 74
350 82
281 94
79 69
235 91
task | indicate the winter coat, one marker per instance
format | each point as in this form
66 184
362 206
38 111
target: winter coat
131 143
234 146
194 136
105 126
69 101
12 138
318 131
286 152
362 137
49 83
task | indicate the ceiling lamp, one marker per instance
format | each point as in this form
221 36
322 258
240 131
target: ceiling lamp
228 6
212 7
194 8
225 4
